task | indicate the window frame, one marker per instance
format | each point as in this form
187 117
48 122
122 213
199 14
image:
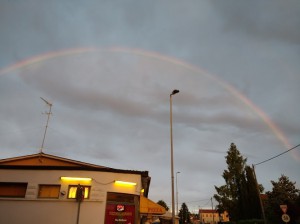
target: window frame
19 190
53 186
73 196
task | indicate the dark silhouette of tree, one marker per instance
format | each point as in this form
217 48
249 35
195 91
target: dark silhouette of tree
239 196
184 214
229 195
163 204
253 202
283 192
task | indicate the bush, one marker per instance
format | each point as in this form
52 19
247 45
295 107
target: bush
251 221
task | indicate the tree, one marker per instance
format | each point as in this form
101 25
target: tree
184 214
240 195
253 201
229 196
283 192
163 204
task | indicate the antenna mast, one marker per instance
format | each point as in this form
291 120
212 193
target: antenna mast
48 113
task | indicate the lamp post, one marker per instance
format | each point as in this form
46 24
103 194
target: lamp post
177 193
172 165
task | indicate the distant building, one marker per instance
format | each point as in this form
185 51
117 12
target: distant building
43 188
211 216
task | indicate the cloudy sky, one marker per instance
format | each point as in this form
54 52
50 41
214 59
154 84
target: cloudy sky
108 68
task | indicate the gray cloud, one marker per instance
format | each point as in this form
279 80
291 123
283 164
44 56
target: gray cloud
268 20
109 104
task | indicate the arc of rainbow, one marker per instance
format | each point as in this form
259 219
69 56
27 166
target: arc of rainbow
273 127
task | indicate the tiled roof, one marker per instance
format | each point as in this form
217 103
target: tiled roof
208 211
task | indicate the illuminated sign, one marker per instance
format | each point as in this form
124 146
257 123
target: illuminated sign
120 208
119 213
155 210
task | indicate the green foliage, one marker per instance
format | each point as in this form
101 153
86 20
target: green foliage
248 221
251 221
184 214
253 209
283 192
239 196
163 204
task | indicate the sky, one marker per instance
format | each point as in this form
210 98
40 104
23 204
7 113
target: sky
108 68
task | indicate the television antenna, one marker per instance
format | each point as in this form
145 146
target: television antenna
48 113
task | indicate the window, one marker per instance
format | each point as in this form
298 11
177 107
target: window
14 190
73 189
48 191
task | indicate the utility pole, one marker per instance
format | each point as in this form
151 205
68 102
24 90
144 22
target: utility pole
258 194
212 208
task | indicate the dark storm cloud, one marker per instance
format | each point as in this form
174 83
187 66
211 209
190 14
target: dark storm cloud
108 105
270 20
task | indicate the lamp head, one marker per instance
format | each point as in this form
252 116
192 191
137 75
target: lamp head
175 91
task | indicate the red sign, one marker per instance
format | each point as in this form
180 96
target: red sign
119 214
120 208
283 208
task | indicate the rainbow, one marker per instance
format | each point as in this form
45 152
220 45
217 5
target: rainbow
55 54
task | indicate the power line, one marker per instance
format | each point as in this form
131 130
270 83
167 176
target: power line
198 200
277 155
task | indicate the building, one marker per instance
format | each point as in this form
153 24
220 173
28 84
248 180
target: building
43 188
211 216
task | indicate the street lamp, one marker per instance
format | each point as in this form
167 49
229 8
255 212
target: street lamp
172 166
177 193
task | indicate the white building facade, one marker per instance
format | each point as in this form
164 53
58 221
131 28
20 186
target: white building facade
42 188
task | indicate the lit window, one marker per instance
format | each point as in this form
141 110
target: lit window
73 189
14 190
49 191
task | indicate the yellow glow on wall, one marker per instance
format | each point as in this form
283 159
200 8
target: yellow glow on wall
125 183
76 178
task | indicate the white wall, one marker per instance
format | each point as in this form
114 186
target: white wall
33 210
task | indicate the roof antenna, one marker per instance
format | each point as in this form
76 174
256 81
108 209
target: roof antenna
48 113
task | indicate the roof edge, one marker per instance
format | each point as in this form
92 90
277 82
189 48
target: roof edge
83 165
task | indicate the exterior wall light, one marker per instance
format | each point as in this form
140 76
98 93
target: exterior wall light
76 178
125 183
